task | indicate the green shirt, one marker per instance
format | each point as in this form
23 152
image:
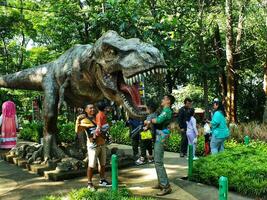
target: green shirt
164 119
219 126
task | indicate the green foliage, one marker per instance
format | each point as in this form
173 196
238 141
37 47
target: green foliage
31 131
66 132
194 92
84 193
37 32
120 133
245 167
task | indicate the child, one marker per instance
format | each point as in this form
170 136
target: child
191 131
101 121
147 135
207 134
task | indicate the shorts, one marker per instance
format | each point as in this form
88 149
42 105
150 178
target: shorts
98 153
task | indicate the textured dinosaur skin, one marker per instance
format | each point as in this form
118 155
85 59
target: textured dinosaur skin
109 68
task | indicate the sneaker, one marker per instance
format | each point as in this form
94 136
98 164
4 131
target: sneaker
150 160
104 183
91 187
164 191
140 161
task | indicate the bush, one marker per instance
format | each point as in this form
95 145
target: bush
253 130
245 167
31 131
120 133
66 132
84 193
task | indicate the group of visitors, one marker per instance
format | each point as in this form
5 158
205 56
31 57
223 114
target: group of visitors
215 131
92 127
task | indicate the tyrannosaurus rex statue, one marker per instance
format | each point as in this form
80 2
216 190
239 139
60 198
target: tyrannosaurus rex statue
109 68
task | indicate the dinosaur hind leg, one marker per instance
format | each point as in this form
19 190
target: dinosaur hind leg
50 121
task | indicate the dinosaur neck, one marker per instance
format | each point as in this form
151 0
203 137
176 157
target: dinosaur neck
28 79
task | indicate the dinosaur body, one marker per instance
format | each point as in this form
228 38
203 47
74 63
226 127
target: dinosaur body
110 68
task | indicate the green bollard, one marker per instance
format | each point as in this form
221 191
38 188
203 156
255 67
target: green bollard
247 140
114 165
223 188
190 162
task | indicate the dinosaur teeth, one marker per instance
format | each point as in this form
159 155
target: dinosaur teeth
161 70
148 73
140 77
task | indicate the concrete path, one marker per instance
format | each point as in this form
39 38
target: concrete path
17 183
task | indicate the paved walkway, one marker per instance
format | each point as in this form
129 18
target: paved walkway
17 183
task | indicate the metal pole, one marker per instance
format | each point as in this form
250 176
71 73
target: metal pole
114 165
223 188
190 162
247 140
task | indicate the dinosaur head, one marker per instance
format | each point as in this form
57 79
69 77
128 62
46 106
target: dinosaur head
121 65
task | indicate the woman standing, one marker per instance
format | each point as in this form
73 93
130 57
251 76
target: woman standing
220 131
9 125
191 131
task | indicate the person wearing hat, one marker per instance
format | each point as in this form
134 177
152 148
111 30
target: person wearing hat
219 129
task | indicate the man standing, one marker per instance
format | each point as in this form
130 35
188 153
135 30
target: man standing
96 149
162 132
182 116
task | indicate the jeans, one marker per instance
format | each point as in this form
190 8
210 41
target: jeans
216 144
159 165
184 143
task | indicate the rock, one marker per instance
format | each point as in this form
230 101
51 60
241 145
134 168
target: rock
74 151
30 149
37 153
68 164
28 156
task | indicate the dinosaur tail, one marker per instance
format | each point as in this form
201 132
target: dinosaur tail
28 79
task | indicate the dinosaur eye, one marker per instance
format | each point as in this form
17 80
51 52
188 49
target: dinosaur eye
110 53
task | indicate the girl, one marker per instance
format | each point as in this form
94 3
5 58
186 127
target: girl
191 131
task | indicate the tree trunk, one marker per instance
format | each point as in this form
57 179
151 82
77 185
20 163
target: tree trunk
230 98
202 56
265 71
219 54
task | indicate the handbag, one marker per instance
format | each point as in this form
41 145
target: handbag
146 135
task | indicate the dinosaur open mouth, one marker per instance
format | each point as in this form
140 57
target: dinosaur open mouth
129 88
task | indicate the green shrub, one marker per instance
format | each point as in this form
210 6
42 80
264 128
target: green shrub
66 132
84 193
245 167
31 131
120 133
